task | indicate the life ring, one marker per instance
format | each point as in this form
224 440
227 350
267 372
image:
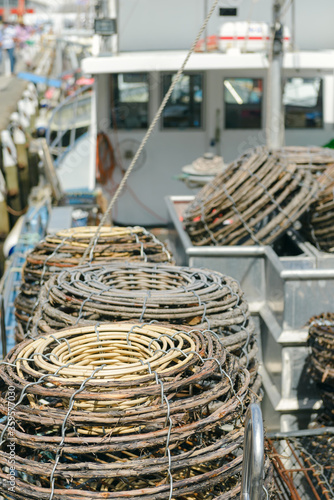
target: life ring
105 159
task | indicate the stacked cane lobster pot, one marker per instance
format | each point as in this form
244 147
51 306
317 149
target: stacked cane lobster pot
126 410
199 298
66 248
320 223
133 378
312 158
254 201
264 193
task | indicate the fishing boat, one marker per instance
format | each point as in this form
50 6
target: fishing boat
227 101
222 103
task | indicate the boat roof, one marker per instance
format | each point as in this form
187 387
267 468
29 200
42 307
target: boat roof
133 62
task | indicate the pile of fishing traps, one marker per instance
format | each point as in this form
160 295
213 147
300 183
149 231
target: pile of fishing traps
200 298
124 411
254 201
320 222
321 341
66 248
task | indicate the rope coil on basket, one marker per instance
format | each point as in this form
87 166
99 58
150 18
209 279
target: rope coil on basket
321 341
203 299
256 199
65 249
143 411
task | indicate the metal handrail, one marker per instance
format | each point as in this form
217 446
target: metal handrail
253 460
318 431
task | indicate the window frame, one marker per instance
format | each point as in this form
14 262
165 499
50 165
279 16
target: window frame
203 116
322 80
238 77
137 129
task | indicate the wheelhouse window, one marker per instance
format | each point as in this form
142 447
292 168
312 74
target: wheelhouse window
303 101
129 100
243 102
184 108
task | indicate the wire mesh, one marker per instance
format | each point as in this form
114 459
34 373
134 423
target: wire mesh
304 461
303 467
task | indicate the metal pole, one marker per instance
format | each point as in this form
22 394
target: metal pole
6 10
59 57
91 13
253 458
105 8
108 10
21 9
293 25
320 431
275 125
117 26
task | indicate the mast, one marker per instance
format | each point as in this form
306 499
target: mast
293 25
275 115
107 10
117 25
20 8
6 9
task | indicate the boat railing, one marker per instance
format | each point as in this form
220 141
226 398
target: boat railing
55 145
34 228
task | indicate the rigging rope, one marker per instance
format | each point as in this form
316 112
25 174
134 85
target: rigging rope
149 132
